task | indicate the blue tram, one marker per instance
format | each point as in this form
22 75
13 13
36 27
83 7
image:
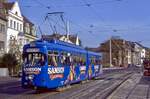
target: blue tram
52 64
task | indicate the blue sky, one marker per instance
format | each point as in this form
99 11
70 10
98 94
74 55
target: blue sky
94 20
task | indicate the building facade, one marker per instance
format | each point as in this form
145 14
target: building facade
15 23
3 26
121 52
29 30
139 54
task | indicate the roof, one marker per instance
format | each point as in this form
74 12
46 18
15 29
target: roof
117 44
26 20
139 44
55 44
8 5
2 13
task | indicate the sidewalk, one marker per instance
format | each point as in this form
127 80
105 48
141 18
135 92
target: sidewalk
8 79
137 87
113 68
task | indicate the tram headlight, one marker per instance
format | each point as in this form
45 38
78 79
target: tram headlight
30 77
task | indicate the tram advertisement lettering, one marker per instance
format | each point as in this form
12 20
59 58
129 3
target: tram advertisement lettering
96 68
82 69
32 50
32 70
56 72
53 76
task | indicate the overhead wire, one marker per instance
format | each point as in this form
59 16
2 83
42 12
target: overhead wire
37 1
83 5
50 19
81 27
72 5
90 6
48 7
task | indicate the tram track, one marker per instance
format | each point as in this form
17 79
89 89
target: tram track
103 89
80 90
28 94
75 91
128 85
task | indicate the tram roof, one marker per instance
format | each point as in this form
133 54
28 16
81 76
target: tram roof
57 45
60 45
94 54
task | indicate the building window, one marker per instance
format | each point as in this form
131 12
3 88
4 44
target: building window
20 27
27 28
11 23
17 26
14 24
1 45
27 41
16 13
33 31
2 28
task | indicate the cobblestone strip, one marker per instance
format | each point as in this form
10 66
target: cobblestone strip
125 90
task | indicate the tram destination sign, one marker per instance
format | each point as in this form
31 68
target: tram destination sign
32 50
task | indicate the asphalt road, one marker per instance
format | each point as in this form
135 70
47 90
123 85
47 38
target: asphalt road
104 86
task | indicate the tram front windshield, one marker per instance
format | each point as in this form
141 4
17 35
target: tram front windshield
34 59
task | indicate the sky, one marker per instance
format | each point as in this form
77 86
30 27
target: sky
94 21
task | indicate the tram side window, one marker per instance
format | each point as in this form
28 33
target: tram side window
53 58
78 59
67 61
92 60
74 60
98 61
34 59
66 58
82 60
62 58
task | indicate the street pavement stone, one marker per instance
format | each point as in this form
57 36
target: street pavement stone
132 88
140 91
125 90
136 97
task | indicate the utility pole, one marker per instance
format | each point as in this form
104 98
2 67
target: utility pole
67 29
110 52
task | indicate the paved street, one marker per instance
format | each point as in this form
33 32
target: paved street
113 84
